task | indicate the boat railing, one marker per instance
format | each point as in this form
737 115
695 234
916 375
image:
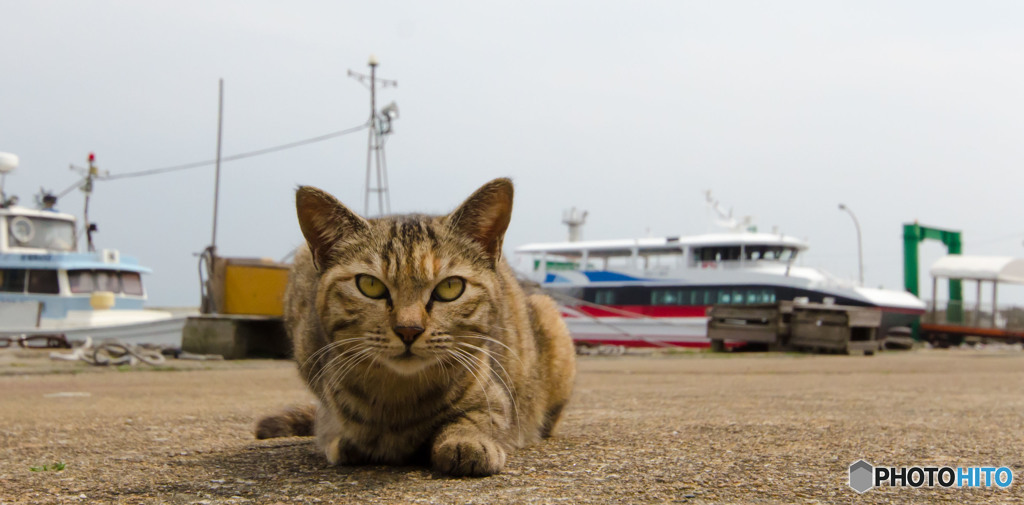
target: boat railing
972 314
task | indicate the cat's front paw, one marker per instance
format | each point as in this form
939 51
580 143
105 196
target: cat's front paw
340 452
469 456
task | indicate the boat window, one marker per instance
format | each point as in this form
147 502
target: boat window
701 297
666 297
767 252
12 280
43 281
40 232
132 283
605 297
106 280
81 281
737 296
717 253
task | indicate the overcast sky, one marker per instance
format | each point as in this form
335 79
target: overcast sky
631 110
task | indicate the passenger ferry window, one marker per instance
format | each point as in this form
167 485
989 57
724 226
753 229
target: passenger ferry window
43 281
132 283
107 280
604 297
666 297
723 296
737 296
12 281
81 281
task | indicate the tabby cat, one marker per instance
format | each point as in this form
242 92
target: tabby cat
417 339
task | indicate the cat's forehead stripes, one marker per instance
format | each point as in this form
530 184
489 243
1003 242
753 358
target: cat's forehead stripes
413 248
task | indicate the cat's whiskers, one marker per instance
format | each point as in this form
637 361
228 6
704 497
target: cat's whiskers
341 356
474 365
338 375
468 364
509 385
321 351
487 338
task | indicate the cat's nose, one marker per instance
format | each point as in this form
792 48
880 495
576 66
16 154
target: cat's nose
408 333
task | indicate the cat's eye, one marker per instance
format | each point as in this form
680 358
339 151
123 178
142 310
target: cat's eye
449 289
371 286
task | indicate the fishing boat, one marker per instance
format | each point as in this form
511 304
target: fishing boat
655 291
50 289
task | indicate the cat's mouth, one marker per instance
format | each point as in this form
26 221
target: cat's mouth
407 362
407 355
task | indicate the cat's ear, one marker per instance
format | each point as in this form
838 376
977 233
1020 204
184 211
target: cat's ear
484 216
324 221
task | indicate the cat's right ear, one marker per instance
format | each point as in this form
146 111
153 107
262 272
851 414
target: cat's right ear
324 221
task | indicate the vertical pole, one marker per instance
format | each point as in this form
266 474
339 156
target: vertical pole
372 140
384 170
911 236
976 320
860 250
995 301
216 182
380 182
89 176
369 155
952 241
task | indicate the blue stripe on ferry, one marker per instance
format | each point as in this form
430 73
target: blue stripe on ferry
552 278
69 261
606 276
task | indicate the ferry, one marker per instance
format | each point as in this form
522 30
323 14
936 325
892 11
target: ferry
49 289
655 292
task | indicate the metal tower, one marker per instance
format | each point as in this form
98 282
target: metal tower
380 128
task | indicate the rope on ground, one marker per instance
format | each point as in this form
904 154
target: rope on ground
116 353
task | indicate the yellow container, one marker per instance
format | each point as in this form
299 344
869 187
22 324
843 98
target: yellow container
253 286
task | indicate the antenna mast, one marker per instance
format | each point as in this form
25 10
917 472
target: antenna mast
380 128
90 173
574 219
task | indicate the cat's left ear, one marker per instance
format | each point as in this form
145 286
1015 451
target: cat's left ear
324 221
484 216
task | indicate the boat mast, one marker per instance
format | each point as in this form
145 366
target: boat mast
208 304
90 175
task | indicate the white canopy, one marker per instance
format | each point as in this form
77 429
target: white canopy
986 268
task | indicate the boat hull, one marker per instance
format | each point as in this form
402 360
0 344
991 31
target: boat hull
165 332
600 327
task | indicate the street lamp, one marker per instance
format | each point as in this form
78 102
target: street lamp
860 250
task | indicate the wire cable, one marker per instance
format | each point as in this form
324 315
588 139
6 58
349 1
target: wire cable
234 157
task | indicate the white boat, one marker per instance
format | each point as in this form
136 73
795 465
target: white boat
48 288
656 291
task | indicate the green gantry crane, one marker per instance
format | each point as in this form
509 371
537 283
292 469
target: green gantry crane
913 234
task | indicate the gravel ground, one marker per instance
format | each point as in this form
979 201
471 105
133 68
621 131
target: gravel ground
681 428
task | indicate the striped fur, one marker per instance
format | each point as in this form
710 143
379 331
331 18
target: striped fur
491 370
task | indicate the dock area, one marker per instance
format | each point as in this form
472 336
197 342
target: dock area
694 428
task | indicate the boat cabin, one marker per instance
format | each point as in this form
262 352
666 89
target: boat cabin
663 255
39 266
